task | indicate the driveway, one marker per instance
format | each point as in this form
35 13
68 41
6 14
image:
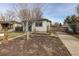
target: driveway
71 42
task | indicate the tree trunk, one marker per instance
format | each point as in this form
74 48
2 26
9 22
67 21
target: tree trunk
27 30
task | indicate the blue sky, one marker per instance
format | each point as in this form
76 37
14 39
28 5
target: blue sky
55 12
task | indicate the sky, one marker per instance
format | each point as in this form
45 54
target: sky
56 12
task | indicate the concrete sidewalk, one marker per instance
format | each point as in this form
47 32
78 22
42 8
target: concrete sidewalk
71 42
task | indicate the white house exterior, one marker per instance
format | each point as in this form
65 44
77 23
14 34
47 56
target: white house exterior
42 25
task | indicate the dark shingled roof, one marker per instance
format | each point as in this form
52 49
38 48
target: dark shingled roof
10 22
42 19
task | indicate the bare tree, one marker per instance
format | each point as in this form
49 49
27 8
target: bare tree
28 14
37 12
2 17
8 16
24 14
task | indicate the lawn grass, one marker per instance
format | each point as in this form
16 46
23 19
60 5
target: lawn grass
12 34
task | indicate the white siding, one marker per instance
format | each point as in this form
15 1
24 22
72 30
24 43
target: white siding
41 29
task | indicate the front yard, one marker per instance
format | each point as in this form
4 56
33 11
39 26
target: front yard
37 45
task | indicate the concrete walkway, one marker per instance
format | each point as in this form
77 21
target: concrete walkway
71 42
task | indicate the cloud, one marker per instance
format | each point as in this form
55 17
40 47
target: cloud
58 11
59 8
57 20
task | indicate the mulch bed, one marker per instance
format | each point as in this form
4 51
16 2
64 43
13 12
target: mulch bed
35 46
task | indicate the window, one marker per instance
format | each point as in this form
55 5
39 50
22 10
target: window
38 23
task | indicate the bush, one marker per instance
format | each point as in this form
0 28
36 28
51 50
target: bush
18 29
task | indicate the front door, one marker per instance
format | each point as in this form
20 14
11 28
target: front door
30 26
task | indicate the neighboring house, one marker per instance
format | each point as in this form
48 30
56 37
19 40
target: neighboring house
41 25
5 25
10 25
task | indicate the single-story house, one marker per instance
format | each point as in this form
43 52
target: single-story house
10 25
41 25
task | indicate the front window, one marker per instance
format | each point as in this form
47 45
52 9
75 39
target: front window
39 24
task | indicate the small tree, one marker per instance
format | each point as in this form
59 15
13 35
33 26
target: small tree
28 14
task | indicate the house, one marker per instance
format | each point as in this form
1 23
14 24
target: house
41 25
9 25
5 25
